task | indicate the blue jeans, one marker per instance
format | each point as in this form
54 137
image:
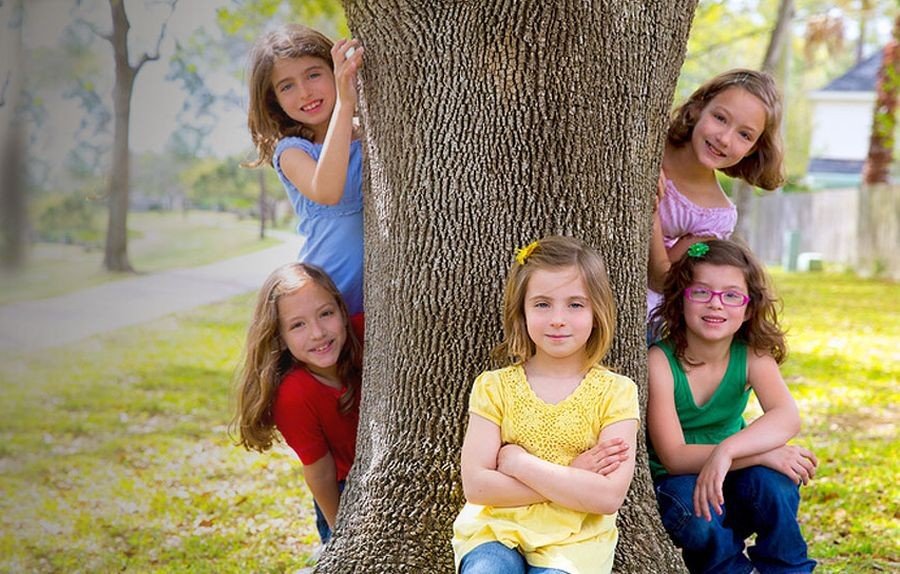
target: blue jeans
321 523
757 500
496 558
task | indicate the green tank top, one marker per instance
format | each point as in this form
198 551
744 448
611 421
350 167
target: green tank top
720 417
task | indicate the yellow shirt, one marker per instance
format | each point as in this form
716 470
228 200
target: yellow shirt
547 534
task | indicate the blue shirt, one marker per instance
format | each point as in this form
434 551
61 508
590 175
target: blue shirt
333 234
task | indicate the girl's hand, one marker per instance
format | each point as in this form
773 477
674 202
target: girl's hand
604 457
795 462
660 189
507 457
347 57
708 490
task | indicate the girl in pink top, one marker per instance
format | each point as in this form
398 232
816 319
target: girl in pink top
731 124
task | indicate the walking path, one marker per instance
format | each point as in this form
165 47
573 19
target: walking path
42 324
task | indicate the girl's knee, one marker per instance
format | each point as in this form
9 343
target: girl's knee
491 558
764 485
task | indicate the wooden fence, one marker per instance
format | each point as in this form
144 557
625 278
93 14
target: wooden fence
859 229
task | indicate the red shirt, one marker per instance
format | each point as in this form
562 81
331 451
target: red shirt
308 417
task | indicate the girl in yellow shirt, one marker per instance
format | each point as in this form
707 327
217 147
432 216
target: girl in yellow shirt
549 450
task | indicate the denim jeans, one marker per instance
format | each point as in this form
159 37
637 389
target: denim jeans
496 558
321 523
757 500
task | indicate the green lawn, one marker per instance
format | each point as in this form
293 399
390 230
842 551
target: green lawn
114 454
157 241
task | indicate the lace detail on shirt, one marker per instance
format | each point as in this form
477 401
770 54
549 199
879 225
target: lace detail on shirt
556 433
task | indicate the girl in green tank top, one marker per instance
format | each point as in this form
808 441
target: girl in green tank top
717 479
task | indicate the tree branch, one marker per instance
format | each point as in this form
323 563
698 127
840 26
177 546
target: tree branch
150 57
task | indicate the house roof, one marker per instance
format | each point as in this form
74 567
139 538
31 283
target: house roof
859 78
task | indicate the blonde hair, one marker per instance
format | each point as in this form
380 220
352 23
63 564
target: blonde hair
762 167
267 359
556 252
266 120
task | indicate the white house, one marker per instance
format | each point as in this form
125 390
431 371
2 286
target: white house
841 126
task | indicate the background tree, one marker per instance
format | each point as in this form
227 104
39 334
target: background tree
116 250
884 117
13 210
489 124
743 191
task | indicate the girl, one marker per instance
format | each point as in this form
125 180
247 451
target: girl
302 101
301 375
718 480
526 510
730 124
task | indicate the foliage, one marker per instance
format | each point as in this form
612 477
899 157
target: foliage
70 218
123 463
226 186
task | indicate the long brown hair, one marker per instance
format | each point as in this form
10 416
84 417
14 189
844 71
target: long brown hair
557 252
266 120
761 331
267 360
763 167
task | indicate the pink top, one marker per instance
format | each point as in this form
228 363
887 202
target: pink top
679 216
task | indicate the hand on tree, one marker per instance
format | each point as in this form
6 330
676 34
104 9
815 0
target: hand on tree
602 458
347 56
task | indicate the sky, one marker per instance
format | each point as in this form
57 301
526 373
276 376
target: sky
156 101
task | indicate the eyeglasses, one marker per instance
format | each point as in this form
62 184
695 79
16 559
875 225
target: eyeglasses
729 298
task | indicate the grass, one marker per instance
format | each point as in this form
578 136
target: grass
114 453
157 241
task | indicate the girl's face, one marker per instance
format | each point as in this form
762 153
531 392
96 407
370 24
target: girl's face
558 314
713 320
304 88
727 129
311 325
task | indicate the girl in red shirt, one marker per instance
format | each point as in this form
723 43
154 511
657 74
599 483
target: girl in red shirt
301 374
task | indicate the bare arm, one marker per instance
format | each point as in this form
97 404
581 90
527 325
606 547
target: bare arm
323 181
321 477
779 423
482 482
573 487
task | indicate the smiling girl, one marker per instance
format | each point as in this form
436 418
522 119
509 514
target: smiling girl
719 480
301 374
543 468
302 104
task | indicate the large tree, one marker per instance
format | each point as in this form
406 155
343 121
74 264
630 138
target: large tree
489 124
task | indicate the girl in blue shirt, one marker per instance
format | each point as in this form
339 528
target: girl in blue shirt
302 104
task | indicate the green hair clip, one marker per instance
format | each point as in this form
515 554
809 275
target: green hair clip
698 250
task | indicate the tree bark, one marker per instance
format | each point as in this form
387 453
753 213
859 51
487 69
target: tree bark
488 125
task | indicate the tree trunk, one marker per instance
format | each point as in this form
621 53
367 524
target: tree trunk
488 125
263 204
743 191
13 206
884 118
116 254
